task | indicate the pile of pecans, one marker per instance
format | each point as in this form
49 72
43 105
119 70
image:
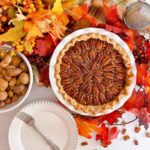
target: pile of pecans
14 77
94 71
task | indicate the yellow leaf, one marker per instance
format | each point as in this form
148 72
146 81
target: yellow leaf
28 46
68 3
32 31
57 8
13 34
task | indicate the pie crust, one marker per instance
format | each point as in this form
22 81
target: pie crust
100 108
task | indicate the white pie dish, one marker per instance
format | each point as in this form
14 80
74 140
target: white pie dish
62 44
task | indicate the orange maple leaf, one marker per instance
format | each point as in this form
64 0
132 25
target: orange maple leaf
87 126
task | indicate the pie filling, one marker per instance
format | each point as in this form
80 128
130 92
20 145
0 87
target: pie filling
92 72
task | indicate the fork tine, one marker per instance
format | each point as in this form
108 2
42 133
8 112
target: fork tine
20 116
24 117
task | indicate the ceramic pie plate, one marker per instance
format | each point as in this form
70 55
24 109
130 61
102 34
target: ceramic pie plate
62 44
52 120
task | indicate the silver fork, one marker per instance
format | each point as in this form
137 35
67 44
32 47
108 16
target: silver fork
29 120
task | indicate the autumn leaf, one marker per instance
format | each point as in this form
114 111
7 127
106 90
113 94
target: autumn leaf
32 31
57 8
97 14
110 118
107 135
144 118
28 46
143 75
113 29
68 3
93 20
147 98
135 102
147 44
80 24
114 24
48 22
13 34
44 46
44 76
63 18
130 38
81 17
44 21
86 127
76 12
111 13
127 35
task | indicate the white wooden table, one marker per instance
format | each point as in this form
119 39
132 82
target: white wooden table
38 93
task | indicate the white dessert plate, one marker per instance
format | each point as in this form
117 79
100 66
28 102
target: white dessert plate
52 120
62 44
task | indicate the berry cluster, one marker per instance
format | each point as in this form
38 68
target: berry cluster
37 61
32 5
140 50
3 15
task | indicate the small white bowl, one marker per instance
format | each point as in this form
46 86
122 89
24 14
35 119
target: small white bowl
21 99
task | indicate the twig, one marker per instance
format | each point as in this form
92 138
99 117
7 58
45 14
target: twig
126 122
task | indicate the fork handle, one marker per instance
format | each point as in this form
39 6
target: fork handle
48 141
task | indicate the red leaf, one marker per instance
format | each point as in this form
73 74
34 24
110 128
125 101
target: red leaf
44 46
113 133
147 98
44 76
117 26
144 118
107 135
142 75
111 13
86 16
135 102
130 38
110 118
113 29
147 44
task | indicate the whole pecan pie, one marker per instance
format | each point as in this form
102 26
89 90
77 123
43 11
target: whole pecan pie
93 73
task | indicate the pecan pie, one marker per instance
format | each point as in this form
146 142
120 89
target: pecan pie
93 73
